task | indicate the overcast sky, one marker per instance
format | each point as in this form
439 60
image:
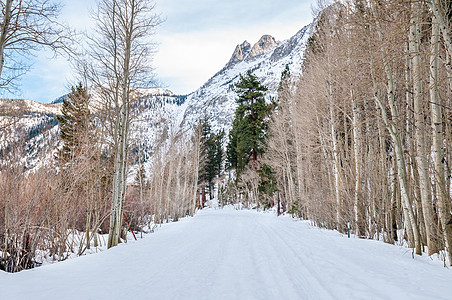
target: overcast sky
195 41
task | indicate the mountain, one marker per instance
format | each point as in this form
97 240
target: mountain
29 131
159 113
21 107
267 59
164 116
59 99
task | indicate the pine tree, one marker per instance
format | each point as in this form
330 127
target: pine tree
231 147
74 123
284 84
247 137
211 148
204 156
219 155
211 165
214 159
267 185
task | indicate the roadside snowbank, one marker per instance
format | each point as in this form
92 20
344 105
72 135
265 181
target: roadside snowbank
238 254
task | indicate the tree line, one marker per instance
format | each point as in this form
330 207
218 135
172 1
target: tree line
364 136
85 188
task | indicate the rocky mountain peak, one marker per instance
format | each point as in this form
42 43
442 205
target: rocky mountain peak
159 111
265 43
240 52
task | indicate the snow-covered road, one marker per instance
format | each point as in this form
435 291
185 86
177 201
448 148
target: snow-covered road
229 254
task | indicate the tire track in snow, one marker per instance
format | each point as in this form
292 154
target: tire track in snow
228 254
357 280
274 273
294 261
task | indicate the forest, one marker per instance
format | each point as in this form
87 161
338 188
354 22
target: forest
364 136
361 141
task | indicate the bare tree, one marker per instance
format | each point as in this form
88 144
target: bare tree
28 25
438 136
120 53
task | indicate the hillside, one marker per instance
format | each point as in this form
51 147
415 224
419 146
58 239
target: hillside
30 131
160 114
230 254
267 59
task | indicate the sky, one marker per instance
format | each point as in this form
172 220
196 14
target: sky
195 40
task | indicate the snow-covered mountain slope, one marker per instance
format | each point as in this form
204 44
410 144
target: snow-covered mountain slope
159 114
162 114
238 254
11 107
156 117
267 59
29 131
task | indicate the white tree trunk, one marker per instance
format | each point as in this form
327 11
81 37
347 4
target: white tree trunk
411 226
410 219
357 158
443 23
120 175
336 161
419 128
440 176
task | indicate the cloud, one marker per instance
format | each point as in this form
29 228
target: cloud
186 59
78 14
196 40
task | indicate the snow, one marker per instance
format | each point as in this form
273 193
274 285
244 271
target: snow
238 254
160 115
29 106
216 98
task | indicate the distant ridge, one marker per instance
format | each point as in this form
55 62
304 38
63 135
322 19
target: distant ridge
59 100
159 114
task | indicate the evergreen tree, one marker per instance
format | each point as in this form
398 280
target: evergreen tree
211 146
231 147
205 156
246 139
214 159
219 139
284 84
267 185
74 123
211 165
140 176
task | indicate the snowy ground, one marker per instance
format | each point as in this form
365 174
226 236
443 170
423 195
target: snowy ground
229 254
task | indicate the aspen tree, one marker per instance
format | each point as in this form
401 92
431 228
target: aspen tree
29 25
120 55
419 126
440 177
440 11
412 227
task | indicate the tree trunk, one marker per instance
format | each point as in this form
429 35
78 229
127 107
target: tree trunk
336 161
4 32
419 128
443 23
169 198
358 210
196 162
411 224
437 141
120 175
